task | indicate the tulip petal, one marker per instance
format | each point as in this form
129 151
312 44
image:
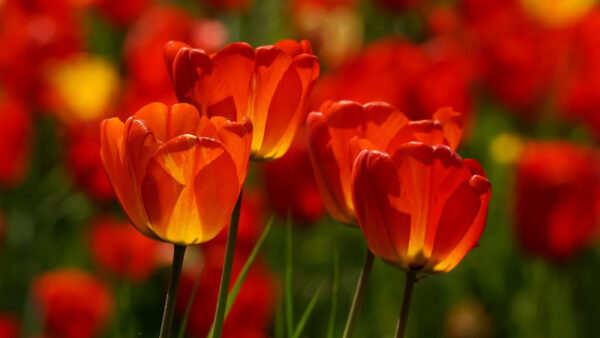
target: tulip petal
190 189
386 229
425 131
326 169
155 115
182 119
452 125
228 85
119 172
237 139
429 175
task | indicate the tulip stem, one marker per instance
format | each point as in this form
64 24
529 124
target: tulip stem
167 320
411 278
227 266
359 294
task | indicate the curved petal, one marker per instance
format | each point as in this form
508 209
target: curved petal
425 131
182 119
452 125
429 176
190 189
236 138
170 51
155 116
228 87
327 169
273 76
387 230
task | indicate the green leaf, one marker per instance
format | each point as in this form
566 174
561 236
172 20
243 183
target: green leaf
242 276
307 312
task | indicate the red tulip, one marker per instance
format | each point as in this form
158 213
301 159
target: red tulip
121 12
177 174
15 138
557 198
420 208
121 250
291 187
342 129
9 326
74 304
270 85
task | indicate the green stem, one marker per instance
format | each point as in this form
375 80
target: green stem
167 321
411 278
227 266
359 294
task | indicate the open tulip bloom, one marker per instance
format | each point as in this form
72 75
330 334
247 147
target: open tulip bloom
270 85
420 206
177 175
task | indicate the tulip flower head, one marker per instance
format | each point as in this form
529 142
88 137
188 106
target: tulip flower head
176 173
270 85
422 207
342 129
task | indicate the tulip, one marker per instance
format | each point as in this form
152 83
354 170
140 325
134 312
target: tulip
270 85
557 198
421 208
177 174
121 250
74 303
342 129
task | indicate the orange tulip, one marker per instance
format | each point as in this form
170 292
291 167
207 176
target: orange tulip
342 129
177 174
422 208
270 85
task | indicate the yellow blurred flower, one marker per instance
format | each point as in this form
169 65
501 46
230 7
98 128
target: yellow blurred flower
505 148
557 13
83 88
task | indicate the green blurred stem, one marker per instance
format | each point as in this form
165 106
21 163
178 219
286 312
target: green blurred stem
359 294
411 278
167 321
227 266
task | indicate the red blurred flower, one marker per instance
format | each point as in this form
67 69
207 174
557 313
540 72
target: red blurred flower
15 138
342 129
291 187
144 44
420 208
9 326
270 85
74 304
252 312
32 33
557 198
118 248
121 12
177 174
416 79
83 160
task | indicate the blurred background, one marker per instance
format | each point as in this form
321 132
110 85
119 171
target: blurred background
525 74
